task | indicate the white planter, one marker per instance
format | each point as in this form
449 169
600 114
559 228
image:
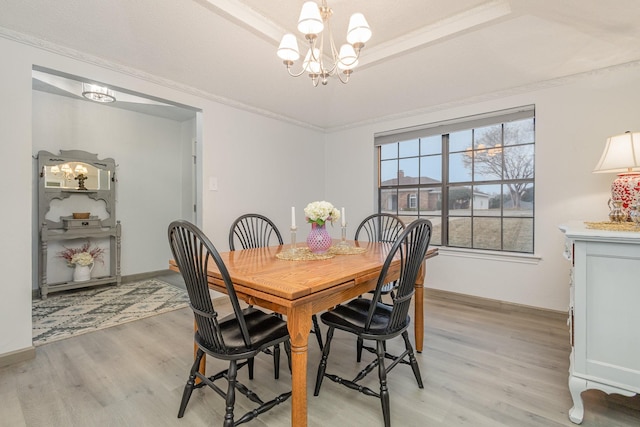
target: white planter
82 273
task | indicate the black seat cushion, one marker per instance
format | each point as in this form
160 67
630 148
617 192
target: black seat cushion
264 329
353 315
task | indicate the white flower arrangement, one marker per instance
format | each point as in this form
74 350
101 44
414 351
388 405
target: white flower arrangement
321 212
85 255
82 258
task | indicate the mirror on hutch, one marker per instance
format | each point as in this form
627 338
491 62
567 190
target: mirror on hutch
76 209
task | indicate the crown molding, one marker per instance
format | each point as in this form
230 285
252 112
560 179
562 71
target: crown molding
517 90
142 75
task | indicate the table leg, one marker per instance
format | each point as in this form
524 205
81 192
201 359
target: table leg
299 325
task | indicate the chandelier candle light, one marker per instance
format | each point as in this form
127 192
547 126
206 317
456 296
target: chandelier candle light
312 22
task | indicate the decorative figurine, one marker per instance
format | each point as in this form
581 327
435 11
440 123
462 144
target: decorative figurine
81 178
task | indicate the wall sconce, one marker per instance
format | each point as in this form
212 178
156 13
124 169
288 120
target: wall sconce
622 154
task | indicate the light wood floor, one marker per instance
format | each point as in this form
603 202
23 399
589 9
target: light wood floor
481 367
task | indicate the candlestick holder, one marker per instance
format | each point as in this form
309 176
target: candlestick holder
292 247
343 242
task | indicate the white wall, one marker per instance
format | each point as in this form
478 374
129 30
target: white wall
261 164
15 252
573 120
147 151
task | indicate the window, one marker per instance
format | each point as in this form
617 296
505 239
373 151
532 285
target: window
412 202
473 178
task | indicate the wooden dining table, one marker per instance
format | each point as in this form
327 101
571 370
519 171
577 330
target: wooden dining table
299 288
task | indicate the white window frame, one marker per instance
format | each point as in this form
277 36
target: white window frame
445 128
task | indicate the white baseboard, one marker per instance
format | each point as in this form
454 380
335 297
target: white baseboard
494 304
12 357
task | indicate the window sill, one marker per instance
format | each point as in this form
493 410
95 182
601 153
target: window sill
489 255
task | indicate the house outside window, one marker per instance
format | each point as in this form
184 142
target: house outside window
473 178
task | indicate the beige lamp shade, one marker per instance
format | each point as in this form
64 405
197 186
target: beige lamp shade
311 61
310 21
348 59
359 32
288 49
621 154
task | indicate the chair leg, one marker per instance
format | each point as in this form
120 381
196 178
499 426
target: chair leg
384 390
287 350
250 367
322 367
188 388
316 329
359 345
276 361
231 394
412 359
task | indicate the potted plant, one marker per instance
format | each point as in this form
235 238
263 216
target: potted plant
82 259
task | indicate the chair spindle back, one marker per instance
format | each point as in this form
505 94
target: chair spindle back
411 247
380 227
192 251
253 231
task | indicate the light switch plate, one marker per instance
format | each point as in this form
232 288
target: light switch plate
213 183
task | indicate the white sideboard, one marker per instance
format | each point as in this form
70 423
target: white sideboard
604 312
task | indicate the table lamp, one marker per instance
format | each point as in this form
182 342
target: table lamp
622 155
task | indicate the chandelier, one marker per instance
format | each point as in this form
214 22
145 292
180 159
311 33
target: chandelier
312 22
98 93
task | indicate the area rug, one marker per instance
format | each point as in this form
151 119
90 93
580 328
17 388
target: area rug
71 313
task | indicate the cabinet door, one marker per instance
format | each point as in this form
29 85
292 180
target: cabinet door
607 293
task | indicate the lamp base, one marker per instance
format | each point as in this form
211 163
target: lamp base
626 188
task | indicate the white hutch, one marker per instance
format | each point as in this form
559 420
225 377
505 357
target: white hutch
604 314
77 173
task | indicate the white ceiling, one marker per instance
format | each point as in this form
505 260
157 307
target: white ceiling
424 54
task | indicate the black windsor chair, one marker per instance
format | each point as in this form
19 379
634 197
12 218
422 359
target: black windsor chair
257 231
236 338
380 227
371 319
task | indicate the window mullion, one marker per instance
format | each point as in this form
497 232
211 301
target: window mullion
444 211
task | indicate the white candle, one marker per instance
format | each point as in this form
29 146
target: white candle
344 219
293 217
